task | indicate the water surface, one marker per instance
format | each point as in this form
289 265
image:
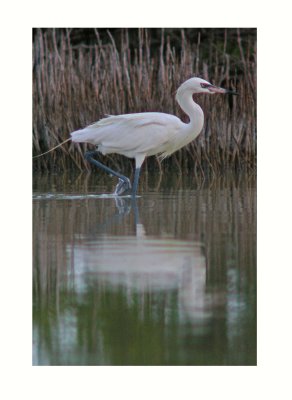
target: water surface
167 280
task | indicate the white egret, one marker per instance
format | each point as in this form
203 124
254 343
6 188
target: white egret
146 134
140 135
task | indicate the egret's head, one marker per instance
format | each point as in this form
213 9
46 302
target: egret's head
198 85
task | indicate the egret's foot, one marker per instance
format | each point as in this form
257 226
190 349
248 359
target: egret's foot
122 186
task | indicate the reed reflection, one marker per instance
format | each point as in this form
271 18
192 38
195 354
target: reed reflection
168 280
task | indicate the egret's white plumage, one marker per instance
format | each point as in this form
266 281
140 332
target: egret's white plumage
132 134
145 134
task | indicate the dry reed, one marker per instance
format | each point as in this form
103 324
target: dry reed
75 85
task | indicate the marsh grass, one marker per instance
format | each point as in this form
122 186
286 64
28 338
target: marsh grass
76 84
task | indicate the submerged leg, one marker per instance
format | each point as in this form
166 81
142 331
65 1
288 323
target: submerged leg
124 182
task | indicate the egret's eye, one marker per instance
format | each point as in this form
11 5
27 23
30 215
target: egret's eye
205 85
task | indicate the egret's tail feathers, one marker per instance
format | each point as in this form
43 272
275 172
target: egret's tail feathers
59 145
92 133
82 135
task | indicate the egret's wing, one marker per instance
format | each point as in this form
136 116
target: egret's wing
129 134
147 133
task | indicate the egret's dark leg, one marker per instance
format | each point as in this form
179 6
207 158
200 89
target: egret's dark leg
136 181
124 182
135 210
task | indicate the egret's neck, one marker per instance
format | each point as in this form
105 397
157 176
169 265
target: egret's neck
192 109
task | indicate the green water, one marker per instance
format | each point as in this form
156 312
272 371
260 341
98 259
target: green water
167 280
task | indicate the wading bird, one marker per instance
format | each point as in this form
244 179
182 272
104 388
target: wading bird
146 134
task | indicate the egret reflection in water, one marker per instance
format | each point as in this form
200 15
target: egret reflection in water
142 264
175 285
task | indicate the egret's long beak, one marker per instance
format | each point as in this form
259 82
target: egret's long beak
215 89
